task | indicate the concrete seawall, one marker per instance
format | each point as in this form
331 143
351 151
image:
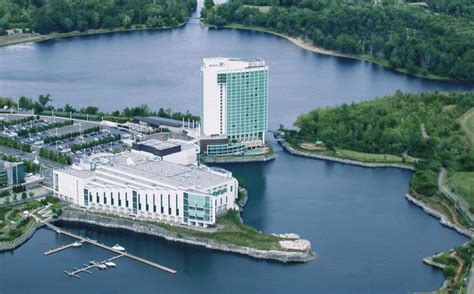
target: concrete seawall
7 246
443 219
286 146
155 230
239 159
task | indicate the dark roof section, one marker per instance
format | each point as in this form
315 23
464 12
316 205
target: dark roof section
158 121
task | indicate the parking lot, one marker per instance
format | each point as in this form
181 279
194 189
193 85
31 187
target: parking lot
80 133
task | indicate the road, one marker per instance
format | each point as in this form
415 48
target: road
461 203
470 286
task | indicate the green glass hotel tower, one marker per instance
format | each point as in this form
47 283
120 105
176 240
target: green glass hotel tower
235 100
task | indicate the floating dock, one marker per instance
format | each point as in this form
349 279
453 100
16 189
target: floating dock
87 268
94 242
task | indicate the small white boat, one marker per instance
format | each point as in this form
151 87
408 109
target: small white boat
101 266
110 264
118 247
77 244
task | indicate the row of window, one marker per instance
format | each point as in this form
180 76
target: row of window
136 204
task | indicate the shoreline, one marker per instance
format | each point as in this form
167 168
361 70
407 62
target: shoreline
240 159
287 147
22 239
40 38
320 50
136 226
442 218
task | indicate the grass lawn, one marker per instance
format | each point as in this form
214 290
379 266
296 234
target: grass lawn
462 183
263 9
234 233
467 124
360 156
369 157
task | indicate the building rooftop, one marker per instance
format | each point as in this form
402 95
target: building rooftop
231 63
138 169
158 144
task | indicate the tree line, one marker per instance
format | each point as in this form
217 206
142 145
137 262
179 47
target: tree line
47 16
420 40
393 125
101 141
37 129
42 105
30 166
52 139
55 156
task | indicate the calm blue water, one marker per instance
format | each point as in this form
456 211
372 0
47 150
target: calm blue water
162 69
368 237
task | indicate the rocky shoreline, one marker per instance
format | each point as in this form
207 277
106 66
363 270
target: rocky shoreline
443 219
83 217
8 246
239 159
287 147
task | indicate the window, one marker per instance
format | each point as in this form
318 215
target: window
169 205
86 197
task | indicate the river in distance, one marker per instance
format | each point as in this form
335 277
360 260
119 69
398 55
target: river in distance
368 238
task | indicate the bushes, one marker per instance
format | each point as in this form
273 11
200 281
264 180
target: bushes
101 141
55 156
30 166
44 128
16 121
424 182
450 271
70 135
15 144
18 188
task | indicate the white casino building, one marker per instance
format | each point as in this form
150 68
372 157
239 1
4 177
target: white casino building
138 184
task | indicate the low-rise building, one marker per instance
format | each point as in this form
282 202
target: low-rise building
11 173
177 151
139 184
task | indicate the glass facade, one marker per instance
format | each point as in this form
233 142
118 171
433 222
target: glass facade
18 173
246 103
197 207
224 149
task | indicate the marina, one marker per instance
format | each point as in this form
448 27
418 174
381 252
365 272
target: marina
119 250
93 264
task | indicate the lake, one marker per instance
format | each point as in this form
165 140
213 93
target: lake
368 238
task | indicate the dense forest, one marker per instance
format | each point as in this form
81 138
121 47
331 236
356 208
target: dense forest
393 125
46 16
432 39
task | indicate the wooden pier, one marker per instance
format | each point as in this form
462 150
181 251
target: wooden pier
94 242
54 250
